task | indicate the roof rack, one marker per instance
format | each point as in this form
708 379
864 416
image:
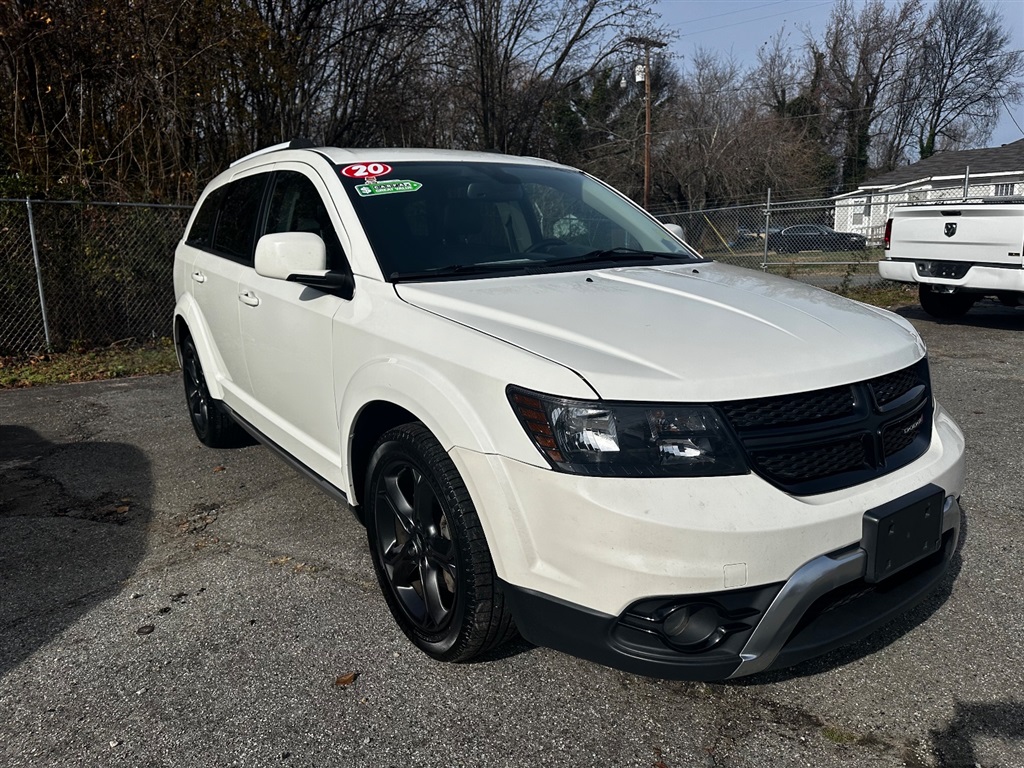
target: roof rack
299 143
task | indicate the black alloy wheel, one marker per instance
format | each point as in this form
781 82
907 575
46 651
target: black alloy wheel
428 549
212 425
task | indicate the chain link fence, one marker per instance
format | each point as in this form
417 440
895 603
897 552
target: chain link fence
804 240
85 274
90 274
833 243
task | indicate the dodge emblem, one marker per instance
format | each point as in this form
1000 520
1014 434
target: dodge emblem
950 229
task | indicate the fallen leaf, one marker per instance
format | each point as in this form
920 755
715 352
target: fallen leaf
346 679
145 629
219 468
123 510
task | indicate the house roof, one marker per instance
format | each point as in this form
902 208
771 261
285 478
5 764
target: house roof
1008 157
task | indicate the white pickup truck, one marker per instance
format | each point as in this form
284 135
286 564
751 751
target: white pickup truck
957 252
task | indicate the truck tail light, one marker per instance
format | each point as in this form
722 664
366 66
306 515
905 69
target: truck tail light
888 234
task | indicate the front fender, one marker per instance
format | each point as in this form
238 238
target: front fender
463 405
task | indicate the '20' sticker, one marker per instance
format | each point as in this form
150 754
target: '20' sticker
366 170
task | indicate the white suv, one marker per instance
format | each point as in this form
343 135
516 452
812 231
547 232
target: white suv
554 416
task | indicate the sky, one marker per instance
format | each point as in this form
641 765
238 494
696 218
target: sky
739 27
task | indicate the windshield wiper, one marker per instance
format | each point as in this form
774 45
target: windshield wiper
457 269
617 254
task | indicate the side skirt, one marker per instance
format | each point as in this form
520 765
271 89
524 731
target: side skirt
322 483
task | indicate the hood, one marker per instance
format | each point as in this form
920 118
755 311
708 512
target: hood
693 332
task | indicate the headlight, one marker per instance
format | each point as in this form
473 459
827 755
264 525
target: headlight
626 439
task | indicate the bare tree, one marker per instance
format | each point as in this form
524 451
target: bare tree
521 54
865 54
723 146
966 74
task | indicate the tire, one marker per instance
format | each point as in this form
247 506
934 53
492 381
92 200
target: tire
429 551
213 426
944 306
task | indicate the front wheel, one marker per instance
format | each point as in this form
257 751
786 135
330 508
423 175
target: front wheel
945 306
429 551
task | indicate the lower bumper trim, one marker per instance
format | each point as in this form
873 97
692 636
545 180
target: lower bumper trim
824 605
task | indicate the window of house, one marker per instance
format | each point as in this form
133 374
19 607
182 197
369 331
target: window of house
1004 190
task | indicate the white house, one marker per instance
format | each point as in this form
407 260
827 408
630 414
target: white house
974 173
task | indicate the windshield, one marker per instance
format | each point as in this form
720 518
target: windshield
434 220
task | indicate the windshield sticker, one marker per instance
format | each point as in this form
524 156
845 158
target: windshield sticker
366 170
371 188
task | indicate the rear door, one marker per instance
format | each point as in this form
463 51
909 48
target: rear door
221 260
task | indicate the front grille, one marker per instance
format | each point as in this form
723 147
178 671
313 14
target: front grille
827 439
894 385
812 462
899 434
790 410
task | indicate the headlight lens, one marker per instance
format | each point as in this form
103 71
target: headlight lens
626 439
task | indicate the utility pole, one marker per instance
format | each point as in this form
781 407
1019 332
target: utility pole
647 44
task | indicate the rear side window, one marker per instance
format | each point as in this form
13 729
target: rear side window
235 233
226 221
201 233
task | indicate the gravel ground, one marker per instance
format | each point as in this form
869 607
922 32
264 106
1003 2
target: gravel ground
164 604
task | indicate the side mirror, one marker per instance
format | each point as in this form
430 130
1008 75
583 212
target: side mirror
676 230
282 254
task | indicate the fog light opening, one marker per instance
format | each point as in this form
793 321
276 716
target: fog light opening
694 627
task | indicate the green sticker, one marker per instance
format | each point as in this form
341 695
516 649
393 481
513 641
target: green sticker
389 187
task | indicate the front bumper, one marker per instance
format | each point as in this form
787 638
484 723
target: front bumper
825 604
587 562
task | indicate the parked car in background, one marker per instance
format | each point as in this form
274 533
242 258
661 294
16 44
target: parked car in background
814 237
552 415
752 238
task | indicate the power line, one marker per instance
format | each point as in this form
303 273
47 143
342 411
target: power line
749 21
733 13
1014 119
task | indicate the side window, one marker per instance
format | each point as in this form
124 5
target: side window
201 233
239 213
296 206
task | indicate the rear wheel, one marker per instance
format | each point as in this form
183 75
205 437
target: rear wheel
213 426
429 551
945 306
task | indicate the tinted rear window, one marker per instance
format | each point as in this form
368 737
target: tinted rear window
236 226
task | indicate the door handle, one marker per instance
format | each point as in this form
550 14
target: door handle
250 298
199 277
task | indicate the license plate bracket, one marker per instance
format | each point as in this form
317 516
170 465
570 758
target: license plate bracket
903 531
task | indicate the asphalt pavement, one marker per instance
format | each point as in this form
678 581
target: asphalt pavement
165 604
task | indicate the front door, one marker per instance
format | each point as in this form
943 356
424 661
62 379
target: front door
287 332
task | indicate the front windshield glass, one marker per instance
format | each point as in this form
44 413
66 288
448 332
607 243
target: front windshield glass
441 220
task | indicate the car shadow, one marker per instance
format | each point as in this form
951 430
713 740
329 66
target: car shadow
985 314
73 528
956 744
